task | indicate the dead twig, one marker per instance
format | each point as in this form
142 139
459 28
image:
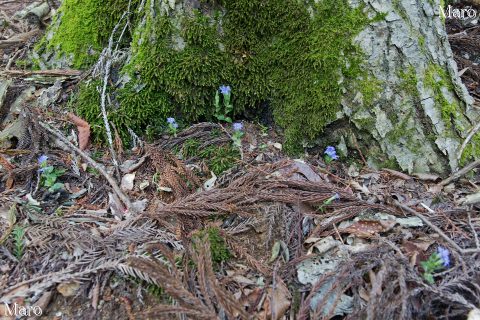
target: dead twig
126 201
467 140
459 173
53 73
477 242
106 59
436 229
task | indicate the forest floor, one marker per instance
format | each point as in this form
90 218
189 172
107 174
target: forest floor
269 237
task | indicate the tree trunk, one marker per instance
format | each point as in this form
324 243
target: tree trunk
424 111
406 107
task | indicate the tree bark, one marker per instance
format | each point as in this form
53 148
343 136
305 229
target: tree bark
421 126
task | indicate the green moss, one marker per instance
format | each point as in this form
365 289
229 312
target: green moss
404 133
400 10
218 247
409 81
190 148
270 52
220 158
293 57
472 150
130 114
81 29
437 78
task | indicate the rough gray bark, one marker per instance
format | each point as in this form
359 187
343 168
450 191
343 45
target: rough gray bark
412 37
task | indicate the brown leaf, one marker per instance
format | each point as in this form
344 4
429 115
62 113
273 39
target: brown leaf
9 183
278 300
68 289
416 249
83 130
6 164
368 228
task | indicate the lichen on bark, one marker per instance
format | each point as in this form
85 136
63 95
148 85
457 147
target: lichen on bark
424 111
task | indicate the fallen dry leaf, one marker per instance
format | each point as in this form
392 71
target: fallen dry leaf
127 183
368 228
68 289
10 182
278 300
83 130
6 164
20 291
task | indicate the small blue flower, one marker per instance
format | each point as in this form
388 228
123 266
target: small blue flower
444 255
42 159
172 122
237 126
331 152
336 196
225 89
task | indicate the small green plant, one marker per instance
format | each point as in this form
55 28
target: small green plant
335 197
59 212
237 134
190 148
93 171
215 133
49 175
172 126
437 261
218 247
222 114
263 130
220 158
18 233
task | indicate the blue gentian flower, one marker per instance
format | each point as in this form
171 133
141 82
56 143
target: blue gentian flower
172 122
336 196
444 255
331 152
237 126
225 89
42 159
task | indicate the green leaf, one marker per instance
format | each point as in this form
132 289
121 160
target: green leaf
59 172
429 278
57 186
47 170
